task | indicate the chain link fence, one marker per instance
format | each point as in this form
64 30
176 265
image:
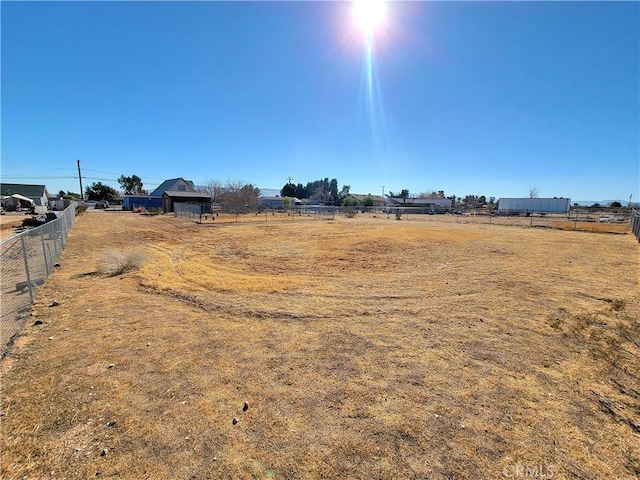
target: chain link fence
635 223
26 260
604 221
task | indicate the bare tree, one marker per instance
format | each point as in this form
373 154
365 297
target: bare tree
534 192
240 197
214 189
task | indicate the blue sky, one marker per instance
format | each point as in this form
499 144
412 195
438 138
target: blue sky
485 98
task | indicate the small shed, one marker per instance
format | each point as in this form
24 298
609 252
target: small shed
170 198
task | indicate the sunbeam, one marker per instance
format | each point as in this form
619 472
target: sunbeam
370 17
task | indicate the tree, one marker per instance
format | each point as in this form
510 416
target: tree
333 190
404 194
471 200
100 191
343 193
350 202
615 205
131 185
319 195
214 189
432 194
368 201
289 190
534 192
69 195
301 192
240 197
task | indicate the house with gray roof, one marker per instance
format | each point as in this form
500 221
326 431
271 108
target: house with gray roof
37 193
174 187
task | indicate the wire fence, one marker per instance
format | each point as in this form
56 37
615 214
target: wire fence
605 221
26 260
208 213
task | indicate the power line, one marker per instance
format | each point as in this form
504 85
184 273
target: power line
32 177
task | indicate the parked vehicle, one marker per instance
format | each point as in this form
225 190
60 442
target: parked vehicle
611 219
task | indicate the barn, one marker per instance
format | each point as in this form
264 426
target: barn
154 199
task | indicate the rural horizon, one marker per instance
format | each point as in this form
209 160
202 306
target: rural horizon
273 191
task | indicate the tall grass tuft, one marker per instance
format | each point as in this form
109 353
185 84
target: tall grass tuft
115 262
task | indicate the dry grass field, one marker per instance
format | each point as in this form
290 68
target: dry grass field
364 348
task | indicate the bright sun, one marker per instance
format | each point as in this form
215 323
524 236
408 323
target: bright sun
369 14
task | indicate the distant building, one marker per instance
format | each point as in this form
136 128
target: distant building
146 202
17 195
37 193
277 202
378 201
525 206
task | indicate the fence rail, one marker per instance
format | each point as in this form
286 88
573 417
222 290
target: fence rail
26 260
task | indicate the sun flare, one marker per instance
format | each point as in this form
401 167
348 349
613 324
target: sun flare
369 14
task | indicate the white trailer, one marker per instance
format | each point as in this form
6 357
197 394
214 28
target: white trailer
526 206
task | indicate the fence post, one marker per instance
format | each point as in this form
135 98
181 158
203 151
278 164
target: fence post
63 231
44 251
26 267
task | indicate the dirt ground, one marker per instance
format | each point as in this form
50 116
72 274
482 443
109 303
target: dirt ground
363 348
8 222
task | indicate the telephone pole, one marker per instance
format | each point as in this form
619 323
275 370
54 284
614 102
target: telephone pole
383 190
289 179
80 177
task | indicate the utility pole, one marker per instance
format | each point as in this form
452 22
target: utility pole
289 179
80 177
383 190
629 205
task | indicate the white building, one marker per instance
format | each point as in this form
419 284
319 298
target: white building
525 206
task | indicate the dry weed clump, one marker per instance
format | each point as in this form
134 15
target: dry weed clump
115 262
